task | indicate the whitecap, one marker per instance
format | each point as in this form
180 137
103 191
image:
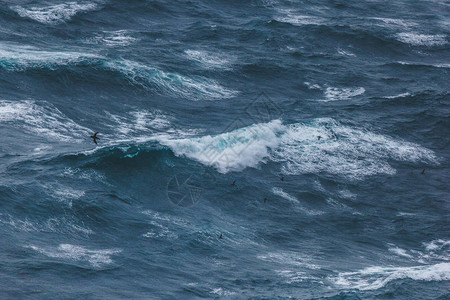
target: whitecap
439 244
423 64
341 150
395 23
333 94
41 120
193 87
230 151
312 86
54 14
113 38
417 39
400 252
97 258
293 17
283 194
21 57
345 53
210 60
139 122
223 292
290 259
374 278
402 95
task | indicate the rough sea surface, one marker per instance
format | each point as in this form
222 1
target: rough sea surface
248 149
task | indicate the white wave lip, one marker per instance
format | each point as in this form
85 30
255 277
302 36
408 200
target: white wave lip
417 39
210 60
46 121
54 14
97 258
19 57
333 94
374 278
230 151
188 87
341 150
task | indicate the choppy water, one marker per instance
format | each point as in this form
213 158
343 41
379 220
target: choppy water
295 130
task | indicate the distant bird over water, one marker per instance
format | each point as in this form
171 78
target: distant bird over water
95 138
234 183
423 172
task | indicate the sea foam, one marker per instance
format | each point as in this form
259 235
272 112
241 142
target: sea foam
341 150
41 119
54 14
374 278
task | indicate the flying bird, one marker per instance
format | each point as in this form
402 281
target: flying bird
95 138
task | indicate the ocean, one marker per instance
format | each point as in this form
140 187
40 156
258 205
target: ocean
253 149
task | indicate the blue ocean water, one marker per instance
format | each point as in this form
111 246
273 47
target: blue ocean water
248 149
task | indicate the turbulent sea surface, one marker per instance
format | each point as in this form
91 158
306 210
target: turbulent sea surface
248 149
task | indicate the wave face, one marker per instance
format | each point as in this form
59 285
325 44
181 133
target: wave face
245 149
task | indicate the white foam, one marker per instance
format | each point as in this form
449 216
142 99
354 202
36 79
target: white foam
400 252
437 245
283 194
188 87
21 57
332 93
222 292
436 65
63 193
54 14
55 224
113 38
402 95
230 151
395 23
160 231
417 39
346 194
140 122
97 258
295 18
312 86
41 120
211 60
345 53
289 258
344 151
374 278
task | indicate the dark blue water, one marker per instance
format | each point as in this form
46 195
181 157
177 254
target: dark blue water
248 149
